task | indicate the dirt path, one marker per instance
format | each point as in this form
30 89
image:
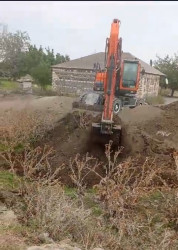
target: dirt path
169 100
57 105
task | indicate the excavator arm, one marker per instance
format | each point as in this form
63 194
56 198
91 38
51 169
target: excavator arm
113 64
120 80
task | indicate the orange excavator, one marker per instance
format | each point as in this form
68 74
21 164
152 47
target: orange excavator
119 83
120 80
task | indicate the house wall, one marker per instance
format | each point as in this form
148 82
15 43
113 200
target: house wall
72 81
149 85
76 82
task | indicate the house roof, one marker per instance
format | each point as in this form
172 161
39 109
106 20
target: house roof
87 62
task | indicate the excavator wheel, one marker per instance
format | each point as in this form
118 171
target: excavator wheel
117 106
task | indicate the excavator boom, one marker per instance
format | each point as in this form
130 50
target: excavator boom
112 64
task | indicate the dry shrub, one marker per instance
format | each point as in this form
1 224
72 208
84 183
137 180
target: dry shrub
125 192
20 126
48 209
29 162
18 130
80 168
82 119
51 210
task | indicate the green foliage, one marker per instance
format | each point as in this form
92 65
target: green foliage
12 46
169 66
60 58
3 147
8 85
18 62
42 74
19 148
71 192
8 180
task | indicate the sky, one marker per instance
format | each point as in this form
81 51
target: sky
80 28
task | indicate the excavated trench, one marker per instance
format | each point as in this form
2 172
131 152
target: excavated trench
72 135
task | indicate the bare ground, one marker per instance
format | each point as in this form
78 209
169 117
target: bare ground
56 105
146 130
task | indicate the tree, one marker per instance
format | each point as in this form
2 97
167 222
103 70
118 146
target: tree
169 66
60 58
50 57
16 61
42 74
11 48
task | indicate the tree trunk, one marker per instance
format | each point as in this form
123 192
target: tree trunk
172 92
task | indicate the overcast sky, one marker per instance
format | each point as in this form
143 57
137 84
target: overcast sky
80 28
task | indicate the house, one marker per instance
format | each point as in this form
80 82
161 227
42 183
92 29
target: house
77 76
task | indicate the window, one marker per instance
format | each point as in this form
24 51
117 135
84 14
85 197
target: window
130 75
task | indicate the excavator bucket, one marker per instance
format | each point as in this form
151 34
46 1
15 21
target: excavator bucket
102 134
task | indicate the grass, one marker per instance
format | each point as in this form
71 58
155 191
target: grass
88 200
70 192
8 85
153 100
8 181
3 147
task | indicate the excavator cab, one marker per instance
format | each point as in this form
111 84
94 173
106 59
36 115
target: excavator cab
129 76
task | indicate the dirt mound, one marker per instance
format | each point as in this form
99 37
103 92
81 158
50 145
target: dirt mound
139 114
156 136
172 106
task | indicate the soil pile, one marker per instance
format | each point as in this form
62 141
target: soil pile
156 136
